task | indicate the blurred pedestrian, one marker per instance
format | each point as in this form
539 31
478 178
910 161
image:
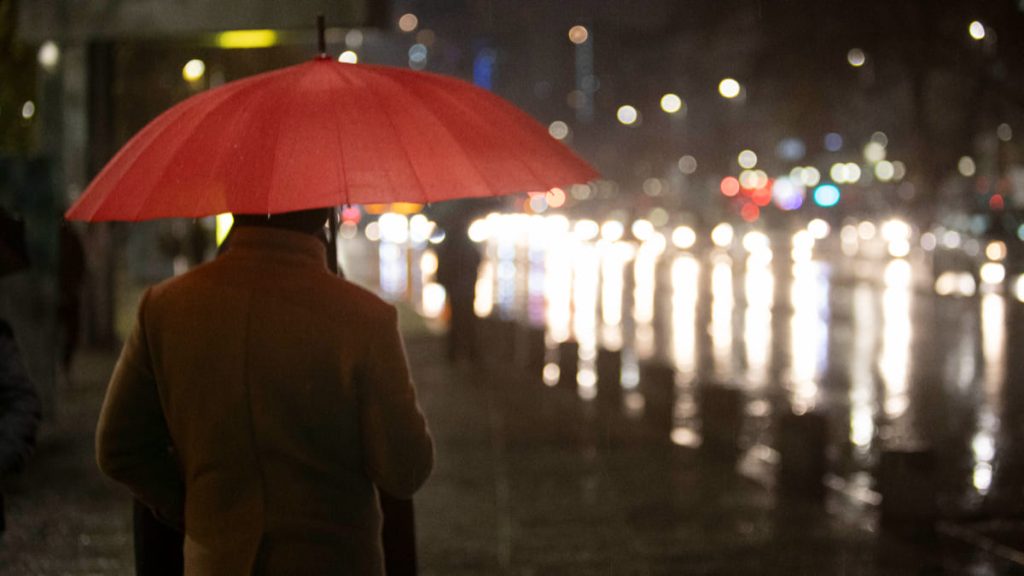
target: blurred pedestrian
20 410
261 403
70 275
458 262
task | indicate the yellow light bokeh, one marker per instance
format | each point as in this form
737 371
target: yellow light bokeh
627 115
729 88
223 226
671 103
856 57
193 70
405 208
578 34
976 30
240 39
408 22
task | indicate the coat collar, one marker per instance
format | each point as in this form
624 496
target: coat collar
272 242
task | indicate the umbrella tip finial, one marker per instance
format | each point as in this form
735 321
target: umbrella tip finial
321 41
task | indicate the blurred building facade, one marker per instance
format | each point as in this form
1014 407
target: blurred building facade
925 104
84 77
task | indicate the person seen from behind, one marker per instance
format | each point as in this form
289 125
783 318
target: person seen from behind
458 263
261 403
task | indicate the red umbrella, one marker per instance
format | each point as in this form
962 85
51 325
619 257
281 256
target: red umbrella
325 133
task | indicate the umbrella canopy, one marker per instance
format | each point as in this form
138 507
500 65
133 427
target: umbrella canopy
326 133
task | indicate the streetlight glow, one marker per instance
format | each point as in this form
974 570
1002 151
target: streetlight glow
747 159
976 30
856 57
49 55
684 237
241 39
671 103
578 34
193 70
627 115
966 166
885 171
874 152
729 88
408 22
559 130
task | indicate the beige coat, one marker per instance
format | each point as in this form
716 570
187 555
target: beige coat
258 402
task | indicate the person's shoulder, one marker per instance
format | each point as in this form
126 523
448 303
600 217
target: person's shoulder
362 305
359 297
182 283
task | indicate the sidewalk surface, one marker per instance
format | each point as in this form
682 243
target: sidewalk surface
529 480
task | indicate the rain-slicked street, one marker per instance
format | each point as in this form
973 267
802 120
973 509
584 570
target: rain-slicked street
906 376
715 287
529 480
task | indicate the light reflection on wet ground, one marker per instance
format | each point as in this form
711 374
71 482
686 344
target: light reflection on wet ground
833 325
858 325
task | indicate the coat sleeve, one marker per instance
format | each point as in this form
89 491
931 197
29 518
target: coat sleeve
397 447
133 444
19 405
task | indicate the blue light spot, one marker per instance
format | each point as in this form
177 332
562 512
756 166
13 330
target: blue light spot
791 149
833 142
483 68
826 195
418 53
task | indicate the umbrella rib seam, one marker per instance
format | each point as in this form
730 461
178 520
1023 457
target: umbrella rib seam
142 204
163 173
469 160
341 165
398 136
185 143
482 120
515 152
503 160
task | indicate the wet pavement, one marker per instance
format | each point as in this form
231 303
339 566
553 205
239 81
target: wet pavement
63 517
861 349
868 327
529 480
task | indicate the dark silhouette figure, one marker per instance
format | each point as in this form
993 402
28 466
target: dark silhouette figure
70 276
19 410
293 451
458 262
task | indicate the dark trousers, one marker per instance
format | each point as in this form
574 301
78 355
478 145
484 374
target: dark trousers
398 534
158 548
462 328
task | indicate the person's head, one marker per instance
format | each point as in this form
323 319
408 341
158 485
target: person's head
305 221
